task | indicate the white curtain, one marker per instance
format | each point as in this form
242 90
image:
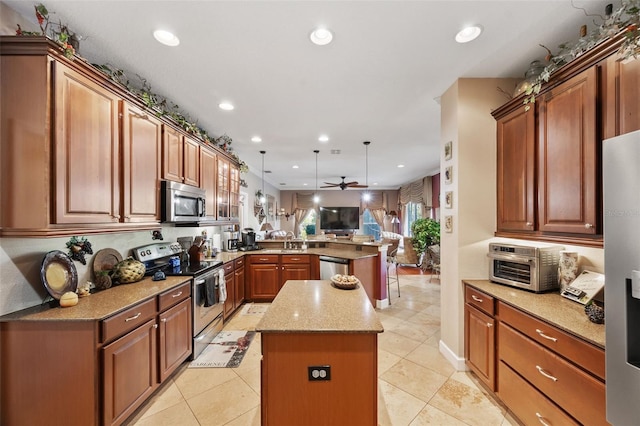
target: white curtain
303 205
379 215
419 192
300 215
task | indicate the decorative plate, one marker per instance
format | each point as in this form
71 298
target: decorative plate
58 274
105 260
345 282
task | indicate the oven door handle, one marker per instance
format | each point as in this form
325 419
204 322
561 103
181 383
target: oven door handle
198 282
201 207
511 258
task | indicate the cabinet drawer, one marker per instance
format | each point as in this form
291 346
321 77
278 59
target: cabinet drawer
126 321
584 354
529 405
239 262
265 258
228 267
173 296
480 300
577 392
295 258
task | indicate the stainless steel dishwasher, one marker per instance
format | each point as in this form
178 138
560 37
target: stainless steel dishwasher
329 266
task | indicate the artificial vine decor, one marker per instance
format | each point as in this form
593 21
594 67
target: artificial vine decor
626 19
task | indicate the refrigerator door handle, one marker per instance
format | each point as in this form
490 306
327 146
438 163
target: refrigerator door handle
635 284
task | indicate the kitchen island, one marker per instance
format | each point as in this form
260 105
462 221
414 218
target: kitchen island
319 356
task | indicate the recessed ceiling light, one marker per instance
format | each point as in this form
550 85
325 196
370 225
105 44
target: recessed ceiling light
256 139
321 36
469 33
166 38
375 183
295 166
304 184
400 166
226 106
323 138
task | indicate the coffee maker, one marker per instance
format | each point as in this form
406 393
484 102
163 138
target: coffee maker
230 241
248 240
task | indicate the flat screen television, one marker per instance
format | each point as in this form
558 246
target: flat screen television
334 218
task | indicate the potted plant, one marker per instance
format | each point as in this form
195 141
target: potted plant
426 232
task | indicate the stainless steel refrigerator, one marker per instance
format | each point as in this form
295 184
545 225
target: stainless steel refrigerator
621 173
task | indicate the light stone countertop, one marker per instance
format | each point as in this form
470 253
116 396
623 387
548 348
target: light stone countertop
550 307
316 306
319 251
99 305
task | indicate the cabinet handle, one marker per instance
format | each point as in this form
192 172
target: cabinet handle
178 294
116 216
541 333
545 374
529 224
136 316
588 225
295 258
163 320
262 259
489 325
155 325
477 299
542 420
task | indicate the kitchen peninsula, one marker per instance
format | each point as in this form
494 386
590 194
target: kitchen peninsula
319 356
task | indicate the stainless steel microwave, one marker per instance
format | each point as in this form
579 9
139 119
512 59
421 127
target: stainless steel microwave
528 267
182 203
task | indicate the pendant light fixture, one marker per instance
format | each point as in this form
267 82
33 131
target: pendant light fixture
263 199
366 196
316 197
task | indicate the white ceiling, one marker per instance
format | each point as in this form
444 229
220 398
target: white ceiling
379 80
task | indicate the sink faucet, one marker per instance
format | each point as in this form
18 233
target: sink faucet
286 238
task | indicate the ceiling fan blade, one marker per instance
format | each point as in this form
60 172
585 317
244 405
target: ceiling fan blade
358 186
332 185
351 183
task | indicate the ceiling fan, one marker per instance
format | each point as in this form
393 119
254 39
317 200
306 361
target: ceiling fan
344 185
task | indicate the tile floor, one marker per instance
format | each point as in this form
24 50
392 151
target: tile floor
416 385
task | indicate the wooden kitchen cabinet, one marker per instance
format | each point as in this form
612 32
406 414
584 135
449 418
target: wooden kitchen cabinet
569 155
223 189
175 338
208 175
87 144
230 285
180 157
516 171
294 267
479 335
141 164
234 192
239 282
264 276
621 96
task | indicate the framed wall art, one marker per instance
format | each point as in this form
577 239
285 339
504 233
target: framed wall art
448 174
448 150
448 224
448 199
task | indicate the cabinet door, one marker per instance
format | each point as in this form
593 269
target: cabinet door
239 281
621 107
234 191
516 171
191 162
265 281
172 152
176 338
568 157
231 294
222 201
141 159
208 163
479 348
130 372
295 272
87 175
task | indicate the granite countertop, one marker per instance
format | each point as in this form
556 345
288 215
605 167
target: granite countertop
316 306
226 256
551 307
99 305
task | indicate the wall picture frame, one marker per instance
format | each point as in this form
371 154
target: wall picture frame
448 199
448 150
448 224
448 175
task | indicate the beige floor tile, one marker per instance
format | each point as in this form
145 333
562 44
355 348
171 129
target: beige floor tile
212 409
467 404
418 333
399 312
386 360
396 343
194 381
179 414
252 378
250 418
422 319
430 357
395 406
414 379
168 396
432 416
413 304
389 322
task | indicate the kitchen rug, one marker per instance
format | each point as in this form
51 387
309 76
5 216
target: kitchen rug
254 309
226 350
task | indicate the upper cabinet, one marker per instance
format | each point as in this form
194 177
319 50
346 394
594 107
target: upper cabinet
208 168
223 189
84 153
234 191
549 158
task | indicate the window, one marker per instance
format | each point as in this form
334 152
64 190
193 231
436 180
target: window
370 226
413 212
308 225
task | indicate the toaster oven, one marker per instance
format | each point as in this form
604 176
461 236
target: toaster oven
529 267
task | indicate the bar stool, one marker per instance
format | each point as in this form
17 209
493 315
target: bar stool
391 259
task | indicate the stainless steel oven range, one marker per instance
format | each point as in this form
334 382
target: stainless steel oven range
205 290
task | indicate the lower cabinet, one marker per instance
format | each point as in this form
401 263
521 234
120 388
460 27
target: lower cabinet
543 374
234 283
267 273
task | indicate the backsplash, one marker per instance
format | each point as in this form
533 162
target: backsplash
21 259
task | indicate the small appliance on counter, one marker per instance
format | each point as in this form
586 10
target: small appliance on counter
248 242
230 241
